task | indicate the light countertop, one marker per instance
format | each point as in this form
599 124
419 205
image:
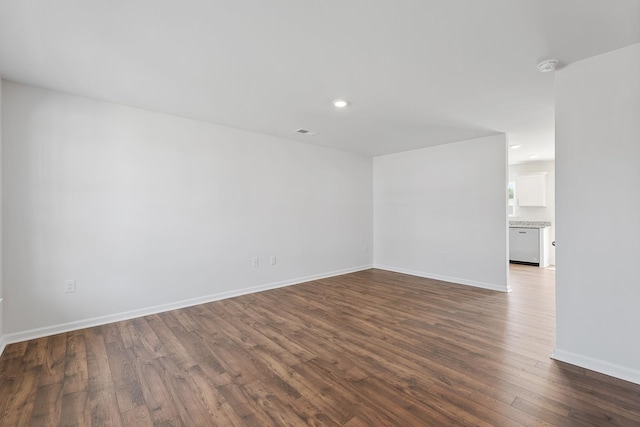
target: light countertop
529 224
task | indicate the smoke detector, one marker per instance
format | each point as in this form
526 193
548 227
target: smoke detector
547 65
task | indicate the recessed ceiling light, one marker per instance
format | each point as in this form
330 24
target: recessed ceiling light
305 132
548 65
533 156
340 103
515 146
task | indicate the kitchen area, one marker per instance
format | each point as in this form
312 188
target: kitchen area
531 204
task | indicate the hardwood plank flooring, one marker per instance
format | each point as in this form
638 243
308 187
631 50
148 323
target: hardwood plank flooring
372 348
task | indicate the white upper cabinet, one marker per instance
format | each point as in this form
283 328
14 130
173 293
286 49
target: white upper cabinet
531 189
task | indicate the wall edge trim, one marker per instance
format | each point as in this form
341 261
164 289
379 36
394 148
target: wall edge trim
450 279
116 317
597 365
3 342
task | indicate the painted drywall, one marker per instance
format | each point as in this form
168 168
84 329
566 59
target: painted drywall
541 213
598 233
2 342
440 212
144 210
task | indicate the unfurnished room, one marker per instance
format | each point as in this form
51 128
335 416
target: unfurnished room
319 213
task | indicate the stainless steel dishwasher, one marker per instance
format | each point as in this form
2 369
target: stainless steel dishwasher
524 245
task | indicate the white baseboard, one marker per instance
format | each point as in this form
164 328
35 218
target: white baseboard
2 341
601 366
102 320
457 280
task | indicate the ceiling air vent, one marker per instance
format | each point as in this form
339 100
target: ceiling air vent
305 132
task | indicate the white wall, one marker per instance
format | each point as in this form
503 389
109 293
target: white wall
539 213
597 208
440 212
2 342
146 210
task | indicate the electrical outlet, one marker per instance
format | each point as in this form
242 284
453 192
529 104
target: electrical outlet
69 286
255 261
273 260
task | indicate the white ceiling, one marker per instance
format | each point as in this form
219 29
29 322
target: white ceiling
418 73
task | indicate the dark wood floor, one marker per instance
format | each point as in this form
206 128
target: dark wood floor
372 348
